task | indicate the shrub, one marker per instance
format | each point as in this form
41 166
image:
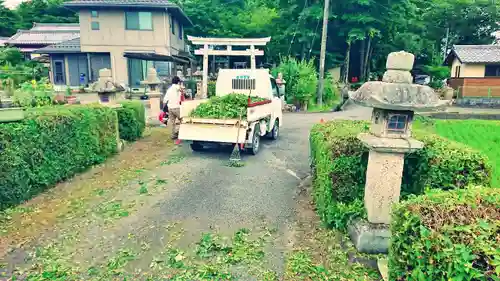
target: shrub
131 120
51 145
301 78
211 88
447 236
339 163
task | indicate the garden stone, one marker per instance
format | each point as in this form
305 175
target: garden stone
400 61
397 76
369 238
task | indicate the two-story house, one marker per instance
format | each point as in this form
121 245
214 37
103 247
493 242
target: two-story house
127 36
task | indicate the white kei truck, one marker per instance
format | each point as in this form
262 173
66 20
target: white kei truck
263 118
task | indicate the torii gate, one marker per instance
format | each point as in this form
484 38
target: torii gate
228 42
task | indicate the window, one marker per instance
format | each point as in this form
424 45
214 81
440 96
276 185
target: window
180 30
138 21
172 24
58 72
492 70
94 14
457 71
94 25
397 123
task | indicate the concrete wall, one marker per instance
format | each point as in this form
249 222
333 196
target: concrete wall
113 38
472 70
467 70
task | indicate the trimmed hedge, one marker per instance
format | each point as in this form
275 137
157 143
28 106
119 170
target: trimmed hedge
51 145
131 120
339 163
450 235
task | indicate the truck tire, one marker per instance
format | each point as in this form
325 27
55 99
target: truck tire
196 146
254 149
275 132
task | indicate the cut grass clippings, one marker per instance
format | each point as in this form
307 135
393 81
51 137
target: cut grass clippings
213 257
321 254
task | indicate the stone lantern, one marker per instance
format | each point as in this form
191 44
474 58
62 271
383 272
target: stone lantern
105 87
394 101
152 81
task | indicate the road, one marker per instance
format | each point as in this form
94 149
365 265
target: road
199 193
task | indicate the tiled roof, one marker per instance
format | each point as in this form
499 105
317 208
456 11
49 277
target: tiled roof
41 37
56 26
163 3
477 53
70 46
151 4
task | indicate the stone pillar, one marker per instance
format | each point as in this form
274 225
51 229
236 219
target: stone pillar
253 64
204 91
383 184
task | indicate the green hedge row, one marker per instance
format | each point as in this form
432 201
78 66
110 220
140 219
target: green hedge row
51 145
339 163
131 120
451 235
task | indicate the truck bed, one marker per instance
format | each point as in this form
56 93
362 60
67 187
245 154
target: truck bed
218 130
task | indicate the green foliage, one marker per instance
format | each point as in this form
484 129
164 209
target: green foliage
301 78
43 11
10 56
447 236
230 106
438 74
331 93
339 163
211 89
51 145
33 94
131 120
14 70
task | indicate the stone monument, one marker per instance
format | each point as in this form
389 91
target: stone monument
105 87
152 92
394 100
152 81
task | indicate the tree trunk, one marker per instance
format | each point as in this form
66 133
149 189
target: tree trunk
362 55
345 74
322 56
366 70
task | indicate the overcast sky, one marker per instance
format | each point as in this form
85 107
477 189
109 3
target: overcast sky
12 3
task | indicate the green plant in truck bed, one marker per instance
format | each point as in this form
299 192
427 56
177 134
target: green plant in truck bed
230 106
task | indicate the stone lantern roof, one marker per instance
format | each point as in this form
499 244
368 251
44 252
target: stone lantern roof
396 91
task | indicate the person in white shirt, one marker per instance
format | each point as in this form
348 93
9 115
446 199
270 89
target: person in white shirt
172 102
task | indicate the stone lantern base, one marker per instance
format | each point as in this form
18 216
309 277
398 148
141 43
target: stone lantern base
369 237
383 186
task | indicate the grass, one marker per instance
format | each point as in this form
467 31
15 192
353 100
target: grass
483 135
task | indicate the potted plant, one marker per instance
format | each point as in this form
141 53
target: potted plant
70 98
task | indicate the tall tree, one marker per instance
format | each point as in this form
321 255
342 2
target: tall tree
8 20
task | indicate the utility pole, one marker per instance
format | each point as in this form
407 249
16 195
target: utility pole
322 55
446 43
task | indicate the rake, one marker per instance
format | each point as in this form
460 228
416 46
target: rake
235 158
